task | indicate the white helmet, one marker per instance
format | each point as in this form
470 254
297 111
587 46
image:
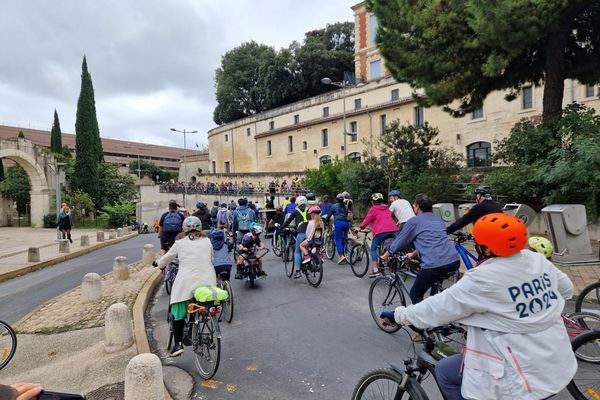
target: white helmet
300 200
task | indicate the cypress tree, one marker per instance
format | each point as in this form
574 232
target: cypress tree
56 135
21 135
1 171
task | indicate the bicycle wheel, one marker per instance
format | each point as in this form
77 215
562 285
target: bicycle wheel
329 247
8 344
168 286
384 383
385 295
288 259
359 260
589 299
276 246
314 272
227 312
585 384
207 348
580 322
252 277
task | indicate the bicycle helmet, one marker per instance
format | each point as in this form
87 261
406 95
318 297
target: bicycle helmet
314 210
300 200
376 196
224 205
256 228
484 191
394 193
340 196
311 196
200 205
541 245
192 224
503 234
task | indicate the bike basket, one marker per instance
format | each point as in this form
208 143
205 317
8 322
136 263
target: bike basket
212 294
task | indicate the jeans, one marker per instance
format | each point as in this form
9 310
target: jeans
426 277
340 233
449 376
377 240
300 236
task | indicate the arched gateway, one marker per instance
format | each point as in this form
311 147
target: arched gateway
39 165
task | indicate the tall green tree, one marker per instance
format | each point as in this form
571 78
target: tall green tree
1 171
463 50
56 135
88 147
113 186
149 169
21 135
16 187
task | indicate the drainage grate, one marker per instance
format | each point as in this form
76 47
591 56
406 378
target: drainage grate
115 391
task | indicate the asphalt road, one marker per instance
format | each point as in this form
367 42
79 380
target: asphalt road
20 295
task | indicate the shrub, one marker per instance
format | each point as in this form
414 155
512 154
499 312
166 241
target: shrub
437 185
50 221
119 214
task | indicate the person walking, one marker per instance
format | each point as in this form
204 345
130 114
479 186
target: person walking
65 223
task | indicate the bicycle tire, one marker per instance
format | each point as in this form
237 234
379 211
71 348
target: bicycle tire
228 306
208 368
8 344
573 387
364 391
288 260
359 260
276 246
252 277
386 286
314 272
168 286
594 301
587 321
329 247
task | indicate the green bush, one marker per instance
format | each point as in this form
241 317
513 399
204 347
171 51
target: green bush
119 214
516 184
50 221
437 185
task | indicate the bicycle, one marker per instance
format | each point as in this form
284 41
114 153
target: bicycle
393 383
314 269
468 258
359 255
589 298
227 305
250 270
585 384
329 241
206 337
170 273
277 242
8 344
288 253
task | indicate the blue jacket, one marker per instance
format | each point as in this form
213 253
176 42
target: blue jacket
325 208
339 212
236 213
290 208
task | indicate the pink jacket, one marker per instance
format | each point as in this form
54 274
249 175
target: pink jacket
381 219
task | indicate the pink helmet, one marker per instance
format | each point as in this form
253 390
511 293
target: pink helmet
314 209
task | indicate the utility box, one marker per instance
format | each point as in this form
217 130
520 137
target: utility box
567 224
445 211
462 210
521 211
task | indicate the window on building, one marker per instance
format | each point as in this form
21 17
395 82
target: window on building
247 131
272 125
357 104
290 144
477 113
304 145
395 94
226 137
325 160
296 119
419 116
376 70
479 154
373 24
353 132
590 91
324 138
269 149
325 112
354 157
214 167
382 123
227 168
527 97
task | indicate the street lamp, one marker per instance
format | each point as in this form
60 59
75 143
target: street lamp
185 177
57 167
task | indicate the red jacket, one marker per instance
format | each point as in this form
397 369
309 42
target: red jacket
381 219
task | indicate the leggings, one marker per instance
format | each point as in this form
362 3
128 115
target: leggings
449 376
340 233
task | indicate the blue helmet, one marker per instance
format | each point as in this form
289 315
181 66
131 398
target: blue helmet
394 192
217 235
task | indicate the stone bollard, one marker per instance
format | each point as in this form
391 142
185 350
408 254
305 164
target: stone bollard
149 254
63 246
112 234
121 268
144 378
85 240
91 288
118 328
119 232
33 254
100 236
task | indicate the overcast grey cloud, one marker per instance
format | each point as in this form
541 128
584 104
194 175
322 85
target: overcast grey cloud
152 61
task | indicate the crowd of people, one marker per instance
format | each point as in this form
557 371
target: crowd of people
294 187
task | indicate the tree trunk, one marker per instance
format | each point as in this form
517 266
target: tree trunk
555 73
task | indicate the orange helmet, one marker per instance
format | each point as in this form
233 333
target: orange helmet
503 234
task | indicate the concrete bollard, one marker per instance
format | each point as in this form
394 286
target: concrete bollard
121 268
144 378
119 232
63 246
85 240
149 254
112 234
118 328
91 288
100 236
33 255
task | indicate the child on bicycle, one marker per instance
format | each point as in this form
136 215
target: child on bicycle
220 256
250 243
314 233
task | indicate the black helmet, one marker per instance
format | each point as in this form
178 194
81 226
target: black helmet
484 191
243 201
310 196
224 205
200 205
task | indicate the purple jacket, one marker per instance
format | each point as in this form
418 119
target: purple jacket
381 219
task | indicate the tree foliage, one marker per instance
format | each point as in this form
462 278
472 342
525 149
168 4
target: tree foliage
81 203
56 136
464 50
119 214
326 180
149 169
21 135
1 171
16 187
114 187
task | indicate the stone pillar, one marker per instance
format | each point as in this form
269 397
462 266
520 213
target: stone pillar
119 232
112 234
33 254
91 288
100 236
144 378
118 328
85 240
149 254
121 268
40 205
63 246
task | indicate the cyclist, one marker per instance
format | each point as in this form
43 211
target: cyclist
300 217
249 244
290 207
340 213
213 212
541 245
203 215
314 235
517 345
243 218
400 208
325 207
221 249
485 205
194 252
169 226
223 217
384 228
427 232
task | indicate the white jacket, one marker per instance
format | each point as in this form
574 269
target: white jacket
195 267
517 345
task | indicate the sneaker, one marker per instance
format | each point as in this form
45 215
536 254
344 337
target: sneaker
342 260
177 350
263 273
238 275
297 275
306 259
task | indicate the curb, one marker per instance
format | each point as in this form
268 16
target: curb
48 263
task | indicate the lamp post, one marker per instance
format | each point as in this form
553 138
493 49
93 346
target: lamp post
57 166
185 177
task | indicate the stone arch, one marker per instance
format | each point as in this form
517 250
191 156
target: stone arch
24 153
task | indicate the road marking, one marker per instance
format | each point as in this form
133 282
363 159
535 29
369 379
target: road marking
251 368
230 388
211 384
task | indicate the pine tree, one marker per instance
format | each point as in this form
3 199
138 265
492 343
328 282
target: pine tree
56 135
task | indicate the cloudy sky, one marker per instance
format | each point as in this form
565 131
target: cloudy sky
152 61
